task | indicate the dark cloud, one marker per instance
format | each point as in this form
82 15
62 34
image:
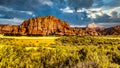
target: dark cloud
59 3
107 4
113 3
114 17
24 9
78 18
38 7
27 5
114 14
8 14
73 4
98 3
79 4
103 18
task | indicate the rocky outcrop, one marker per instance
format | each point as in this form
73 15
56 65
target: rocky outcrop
86 32
9 29
111 31
45 26
90 30
91 25
51 25
48 25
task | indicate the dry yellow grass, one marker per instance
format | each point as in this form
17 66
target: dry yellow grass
26 41
25 37
36 51
108 37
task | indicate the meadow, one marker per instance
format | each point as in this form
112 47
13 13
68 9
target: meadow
60 52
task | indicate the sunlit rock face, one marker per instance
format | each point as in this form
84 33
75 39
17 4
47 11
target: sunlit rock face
9 29
50 25
91 25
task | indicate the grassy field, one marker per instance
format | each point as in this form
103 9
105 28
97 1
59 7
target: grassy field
60 52
26 41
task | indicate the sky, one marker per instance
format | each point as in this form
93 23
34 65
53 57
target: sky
105 13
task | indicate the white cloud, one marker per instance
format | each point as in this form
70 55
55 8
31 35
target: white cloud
107 24
100 11
14 21
28 12
12 10
5 8
92 15
108 11
95 9
46 2
67 10
78 25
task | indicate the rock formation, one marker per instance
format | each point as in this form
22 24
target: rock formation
111 31
51 25
91 25
45 26
93 29
86 32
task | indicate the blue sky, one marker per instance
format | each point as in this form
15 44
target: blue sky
76 12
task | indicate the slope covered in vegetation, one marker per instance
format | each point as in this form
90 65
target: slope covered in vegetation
64 52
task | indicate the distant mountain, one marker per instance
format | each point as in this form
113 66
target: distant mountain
91 25
50 25
112 31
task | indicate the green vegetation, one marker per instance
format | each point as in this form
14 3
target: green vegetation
63 52
88 40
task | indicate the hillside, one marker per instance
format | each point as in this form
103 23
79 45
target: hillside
50 25
112 31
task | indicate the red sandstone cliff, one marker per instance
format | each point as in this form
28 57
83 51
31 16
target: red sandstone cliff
51 25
